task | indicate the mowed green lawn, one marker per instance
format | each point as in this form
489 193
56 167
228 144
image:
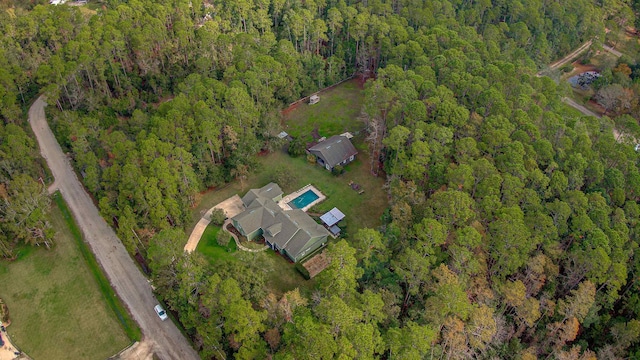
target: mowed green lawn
56 308
336 113
210 248
281 275
361 210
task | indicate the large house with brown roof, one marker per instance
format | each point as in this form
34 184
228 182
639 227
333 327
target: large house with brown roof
336 150
290 232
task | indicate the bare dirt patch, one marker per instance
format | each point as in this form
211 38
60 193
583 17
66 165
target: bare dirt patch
8 351
142 350
580 68
594 106
285 112
316 264
361 80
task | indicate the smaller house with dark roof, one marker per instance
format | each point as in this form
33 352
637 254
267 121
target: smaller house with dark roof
334 151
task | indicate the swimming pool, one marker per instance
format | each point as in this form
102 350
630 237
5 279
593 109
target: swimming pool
304 199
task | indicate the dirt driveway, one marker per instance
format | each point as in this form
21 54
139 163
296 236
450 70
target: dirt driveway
8 350
231 207
138 351
126 279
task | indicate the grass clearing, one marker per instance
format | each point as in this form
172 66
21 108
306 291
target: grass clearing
210 248
282 275
624 42
336 113
361 210
57 309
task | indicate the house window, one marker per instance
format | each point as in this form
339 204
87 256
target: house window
352 157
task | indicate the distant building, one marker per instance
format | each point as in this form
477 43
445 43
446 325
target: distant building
336 150
290 232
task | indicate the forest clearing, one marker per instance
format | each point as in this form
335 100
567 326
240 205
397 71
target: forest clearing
292 173
485 218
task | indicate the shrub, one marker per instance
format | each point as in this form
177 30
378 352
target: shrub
223 238
337 170
567 68
311 158
302 270
218 217
297 147
4 312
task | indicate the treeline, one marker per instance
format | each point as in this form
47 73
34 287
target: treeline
127 54
513 224
530 211
24 200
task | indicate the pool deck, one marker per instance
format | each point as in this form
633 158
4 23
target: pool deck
284 203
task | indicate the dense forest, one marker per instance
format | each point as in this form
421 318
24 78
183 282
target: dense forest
513 225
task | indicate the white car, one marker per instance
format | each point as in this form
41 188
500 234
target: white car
160 311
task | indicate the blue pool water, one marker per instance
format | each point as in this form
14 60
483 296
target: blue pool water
304 199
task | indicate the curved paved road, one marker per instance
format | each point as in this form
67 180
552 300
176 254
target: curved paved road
132 287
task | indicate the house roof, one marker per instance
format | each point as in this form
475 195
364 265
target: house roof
332 217
269 191
260 211
296 228
274 229
306 232
334 150
291 230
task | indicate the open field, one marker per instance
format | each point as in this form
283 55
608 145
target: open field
56 308
360 210
336 113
